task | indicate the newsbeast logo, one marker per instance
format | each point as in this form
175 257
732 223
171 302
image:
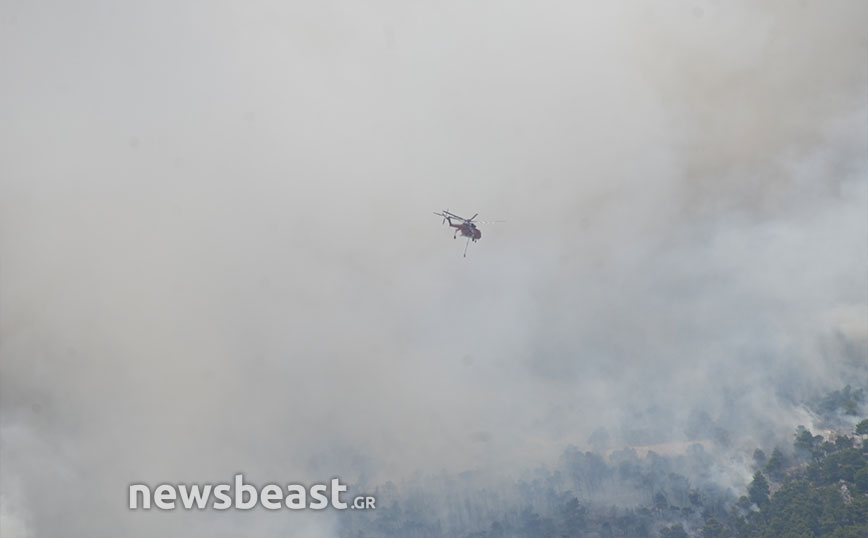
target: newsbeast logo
241 496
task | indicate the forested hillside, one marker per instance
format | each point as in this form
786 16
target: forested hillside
825 497
816 486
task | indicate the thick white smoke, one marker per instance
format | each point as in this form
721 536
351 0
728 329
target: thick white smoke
217 252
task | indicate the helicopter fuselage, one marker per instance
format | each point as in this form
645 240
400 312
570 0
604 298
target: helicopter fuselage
466 230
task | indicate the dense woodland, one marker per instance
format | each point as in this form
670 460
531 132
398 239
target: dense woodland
813 487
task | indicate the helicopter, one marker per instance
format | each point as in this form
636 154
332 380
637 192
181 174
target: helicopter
466 227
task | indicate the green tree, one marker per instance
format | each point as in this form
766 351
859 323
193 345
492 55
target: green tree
714 529
862 427
843 443
861 479
776 464
574 515
758 490
807 446
675 531
834 513
759 459
842 466
804 438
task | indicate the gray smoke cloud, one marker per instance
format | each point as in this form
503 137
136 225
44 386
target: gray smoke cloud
217 252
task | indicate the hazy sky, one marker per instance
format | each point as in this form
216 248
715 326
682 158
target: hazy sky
217 252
